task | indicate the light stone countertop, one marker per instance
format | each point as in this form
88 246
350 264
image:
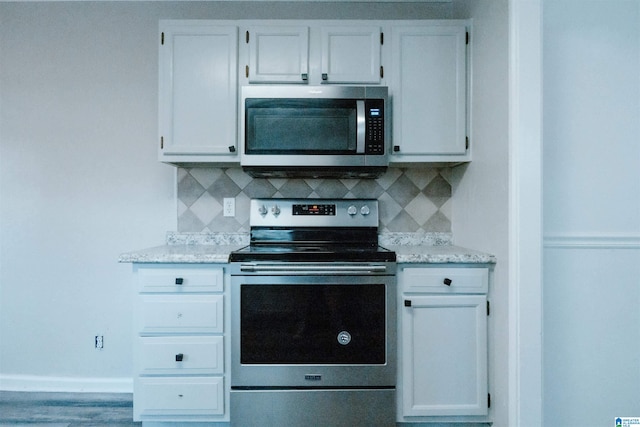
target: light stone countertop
440 254
216 248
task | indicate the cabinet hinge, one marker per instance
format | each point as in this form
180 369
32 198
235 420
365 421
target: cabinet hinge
489 400
381 72
381 38
488 308
246 37
467 38
162 38
466 142
162 142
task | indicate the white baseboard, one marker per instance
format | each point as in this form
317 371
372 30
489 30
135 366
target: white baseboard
65 384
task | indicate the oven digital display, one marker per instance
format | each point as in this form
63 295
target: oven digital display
314 209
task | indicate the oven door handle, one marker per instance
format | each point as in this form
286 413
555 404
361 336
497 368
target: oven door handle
308 268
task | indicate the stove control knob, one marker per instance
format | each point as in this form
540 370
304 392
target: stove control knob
352 210
365 210
262 210
275 210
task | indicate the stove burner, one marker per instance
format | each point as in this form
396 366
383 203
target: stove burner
342 230
312 253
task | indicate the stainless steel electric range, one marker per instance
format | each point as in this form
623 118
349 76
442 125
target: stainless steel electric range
313 312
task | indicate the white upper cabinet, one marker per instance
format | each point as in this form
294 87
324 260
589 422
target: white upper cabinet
351 54
198 91
277 54
429 89
425 64
320 53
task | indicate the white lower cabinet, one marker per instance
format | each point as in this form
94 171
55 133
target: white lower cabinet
169 398
179 344
443 374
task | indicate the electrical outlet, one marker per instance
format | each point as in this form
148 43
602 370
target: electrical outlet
99 342
229 207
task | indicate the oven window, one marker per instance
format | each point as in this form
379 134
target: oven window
312 324
292 126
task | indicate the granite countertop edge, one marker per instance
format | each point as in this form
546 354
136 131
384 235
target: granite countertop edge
410 248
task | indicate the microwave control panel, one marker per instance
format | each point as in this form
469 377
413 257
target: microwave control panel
374 136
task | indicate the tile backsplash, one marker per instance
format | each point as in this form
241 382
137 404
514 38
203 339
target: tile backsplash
411 200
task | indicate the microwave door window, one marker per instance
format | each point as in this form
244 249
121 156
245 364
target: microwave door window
302 128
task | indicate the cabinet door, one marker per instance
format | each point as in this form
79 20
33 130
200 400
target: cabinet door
351 54
198 92
444 355
278 54
429 92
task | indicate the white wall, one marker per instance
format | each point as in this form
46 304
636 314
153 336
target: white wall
480 208
79 185
79 180
591 211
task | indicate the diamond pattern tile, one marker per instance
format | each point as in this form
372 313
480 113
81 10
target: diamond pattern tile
367 189
189 189
411 200
224 187
403 190
295 188
331 189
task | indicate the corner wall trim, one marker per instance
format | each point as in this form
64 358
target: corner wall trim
65 384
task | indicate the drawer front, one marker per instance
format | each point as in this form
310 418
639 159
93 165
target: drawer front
181 355
174 397
445 280
180 314
175 279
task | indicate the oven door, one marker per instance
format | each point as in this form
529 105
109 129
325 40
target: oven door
318 330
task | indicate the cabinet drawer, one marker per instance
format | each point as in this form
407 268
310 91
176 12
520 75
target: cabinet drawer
175 279
181 355
159 398
445 280
180 314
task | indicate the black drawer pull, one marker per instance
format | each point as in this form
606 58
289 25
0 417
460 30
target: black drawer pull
447 281
179 280
179 357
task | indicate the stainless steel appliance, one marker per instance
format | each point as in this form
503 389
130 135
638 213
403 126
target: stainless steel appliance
313 312
314 130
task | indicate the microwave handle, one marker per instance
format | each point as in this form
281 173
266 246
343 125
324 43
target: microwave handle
361 126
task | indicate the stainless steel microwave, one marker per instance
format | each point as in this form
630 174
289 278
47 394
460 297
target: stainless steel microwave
314 131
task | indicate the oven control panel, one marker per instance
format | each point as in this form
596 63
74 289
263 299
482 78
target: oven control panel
313 213
314 209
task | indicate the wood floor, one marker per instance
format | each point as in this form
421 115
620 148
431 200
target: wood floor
65 409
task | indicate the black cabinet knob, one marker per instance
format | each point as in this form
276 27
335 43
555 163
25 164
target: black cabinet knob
232 149
396 148
407 303
447 281
179 280
325 76
179 357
